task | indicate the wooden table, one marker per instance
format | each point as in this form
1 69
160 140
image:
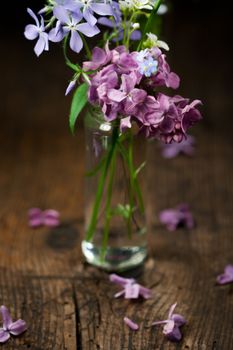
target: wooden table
43 278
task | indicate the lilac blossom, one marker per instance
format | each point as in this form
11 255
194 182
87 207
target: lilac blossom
179 216
131 289
172 325
120 89
33 31
165 76
9 327
37 218
227 276
69 23
186 147
132 325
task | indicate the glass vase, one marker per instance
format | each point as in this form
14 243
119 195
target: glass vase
115 221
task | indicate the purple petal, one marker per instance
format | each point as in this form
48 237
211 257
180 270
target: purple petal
102 9
227 276
42 44
132 291
61 14
57 34
119 294
145 292
125 124
106 22
18 327
31 32
70 87
116 95
32 14
136 35
170 151
132 325
174 335
51 218
6 317
172 308
169 326
4 336
76 43
87 30
179 319
120 280
89 17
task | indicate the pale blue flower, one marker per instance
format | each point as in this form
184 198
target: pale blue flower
148 66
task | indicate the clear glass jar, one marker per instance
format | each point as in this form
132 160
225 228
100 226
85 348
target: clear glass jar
115 221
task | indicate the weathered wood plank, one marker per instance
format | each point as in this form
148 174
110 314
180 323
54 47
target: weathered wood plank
47 306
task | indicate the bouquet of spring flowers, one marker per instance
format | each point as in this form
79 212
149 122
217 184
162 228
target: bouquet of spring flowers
122 82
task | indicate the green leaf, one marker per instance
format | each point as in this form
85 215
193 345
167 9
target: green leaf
78 102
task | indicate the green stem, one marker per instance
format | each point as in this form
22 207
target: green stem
100 189
108 206
131 179
149 22
73 66
88 52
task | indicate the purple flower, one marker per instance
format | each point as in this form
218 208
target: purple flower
172 325
131 289
90 7
100 57
174 149
70 87
116 24
9 327
33 31
227 276
179 216
69 23
132 325
165 77
37 218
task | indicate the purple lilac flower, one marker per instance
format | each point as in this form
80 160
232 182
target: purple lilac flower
69 23
227 276
179 216
165 76
37 218
33 31
172 325
172 150
131 289
9 327
132 325
121 91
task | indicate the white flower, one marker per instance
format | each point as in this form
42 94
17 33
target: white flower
136 4
152 41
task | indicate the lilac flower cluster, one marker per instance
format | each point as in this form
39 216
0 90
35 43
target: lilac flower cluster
125 87
76 18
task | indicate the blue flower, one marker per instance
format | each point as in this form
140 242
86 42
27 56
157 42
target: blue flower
148 66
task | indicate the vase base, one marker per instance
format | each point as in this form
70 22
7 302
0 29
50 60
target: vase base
116 259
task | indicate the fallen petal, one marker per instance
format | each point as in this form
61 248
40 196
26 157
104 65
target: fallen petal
4 336
132 325
6 317
18 327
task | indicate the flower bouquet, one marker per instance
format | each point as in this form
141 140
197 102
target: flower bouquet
119 86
